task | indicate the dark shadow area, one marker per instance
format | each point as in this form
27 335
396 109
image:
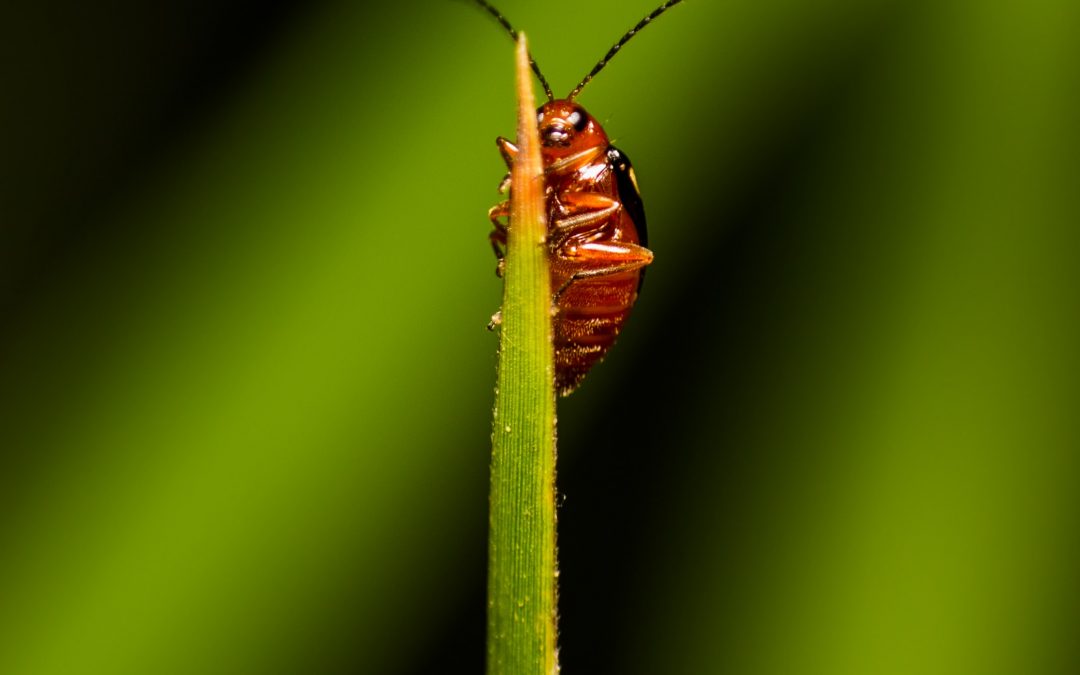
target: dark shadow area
98 93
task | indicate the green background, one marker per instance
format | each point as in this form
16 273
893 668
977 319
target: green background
245 384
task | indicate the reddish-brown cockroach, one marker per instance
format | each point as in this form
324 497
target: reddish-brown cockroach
596 223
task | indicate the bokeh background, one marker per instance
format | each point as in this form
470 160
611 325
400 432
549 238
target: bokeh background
245 385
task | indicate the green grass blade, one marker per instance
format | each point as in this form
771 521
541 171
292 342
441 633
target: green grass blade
521 563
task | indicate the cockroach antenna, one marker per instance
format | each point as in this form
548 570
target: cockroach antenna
618 45
513 34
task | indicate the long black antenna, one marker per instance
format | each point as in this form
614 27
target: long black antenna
618 45
513 33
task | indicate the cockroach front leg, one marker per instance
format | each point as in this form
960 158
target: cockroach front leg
600 259
508 150
573 162
584 210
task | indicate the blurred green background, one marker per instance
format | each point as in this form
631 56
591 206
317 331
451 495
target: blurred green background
245 384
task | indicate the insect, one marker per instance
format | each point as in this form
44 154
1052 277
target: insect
596 223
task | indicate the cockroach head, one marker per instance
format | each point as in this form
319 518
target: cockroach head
564 124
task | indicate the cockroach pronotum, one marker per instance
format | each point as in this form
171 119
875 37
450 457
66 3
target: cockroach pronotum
596 222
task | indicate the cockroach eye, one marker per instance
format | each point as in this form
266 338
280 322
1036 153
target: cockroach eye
578 119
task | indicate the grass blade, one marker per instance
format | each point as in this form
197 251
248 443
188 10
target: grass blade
521 563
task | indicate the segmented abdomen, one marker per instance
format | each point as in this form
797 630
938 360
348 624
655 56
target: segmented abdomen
588 317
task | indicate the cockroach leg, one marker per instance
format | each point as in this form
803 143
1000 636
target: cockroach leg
600 259
509 150
573 162
498 235
498 245
500 210
504 185
585 209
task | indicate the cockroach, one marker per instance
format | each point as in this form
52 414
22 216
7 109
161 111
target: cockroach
596 222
